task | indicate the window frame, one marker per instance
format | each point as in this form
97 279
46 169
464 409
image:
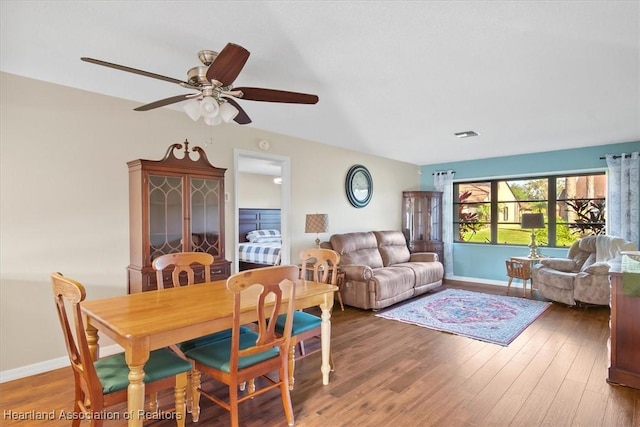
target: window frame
496 209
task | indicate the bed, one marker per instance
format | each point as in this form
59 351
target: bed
259 238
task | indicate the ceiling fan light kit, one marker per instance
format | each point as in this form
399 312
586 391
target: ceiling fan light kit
214 101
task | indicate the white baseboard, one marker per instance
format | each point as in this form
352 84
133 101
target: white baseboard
49 365
477 280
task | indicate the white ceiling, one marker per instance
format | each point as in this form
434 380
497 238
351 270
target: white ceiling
395 78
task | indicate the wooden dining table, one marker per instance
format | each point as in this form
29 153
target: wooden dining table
147 321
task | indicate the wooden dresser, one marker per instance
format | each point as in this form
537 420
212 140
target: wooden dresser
624 342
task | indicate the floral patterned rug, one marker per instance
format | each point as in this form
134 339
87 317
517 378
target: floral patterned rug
495 319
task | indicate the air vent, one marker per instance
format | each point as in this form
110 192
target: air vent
466 134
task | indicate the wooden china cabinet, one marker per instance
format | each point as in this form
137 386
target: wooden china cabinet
175 205
422 221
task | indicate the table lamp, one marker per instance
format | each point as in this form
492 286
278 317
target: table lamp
317 223
532 221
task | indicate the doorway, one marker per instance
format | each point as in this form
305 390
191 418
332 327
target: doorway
265 164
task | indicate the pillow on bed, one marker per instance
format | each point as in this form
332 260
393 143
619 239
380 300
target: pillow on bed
253 235
271 239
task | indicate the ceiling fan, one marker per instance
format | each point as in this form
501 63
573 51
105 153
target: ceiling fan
215 99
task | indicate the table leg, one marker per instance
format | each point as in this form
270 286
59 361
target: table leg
325 337
136 357
92 340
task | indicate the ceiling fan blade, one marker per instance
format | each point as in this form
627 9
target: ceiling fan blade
242 118
228 64
273 95
166 101
133 70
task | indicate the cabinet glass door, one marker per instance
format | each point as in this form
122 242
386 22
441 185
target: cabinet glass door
435 226
165 215
205 216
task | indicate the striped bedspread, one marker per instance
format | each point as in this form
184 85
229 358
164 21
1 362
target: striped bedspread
260 253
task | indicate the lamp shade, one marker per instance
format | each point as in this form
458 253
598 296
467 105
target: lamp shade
192 108
532 220
228 112
209 107
316 223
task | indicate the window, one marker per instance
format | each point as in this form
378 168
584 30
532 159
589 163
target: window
490 211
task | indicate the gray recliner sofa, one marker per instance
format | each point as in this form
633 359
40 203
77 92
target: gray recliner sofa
584 275
379 270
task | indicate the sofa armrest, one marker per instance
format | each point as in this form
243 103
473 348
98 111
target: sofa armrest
423 257
357 272
560 264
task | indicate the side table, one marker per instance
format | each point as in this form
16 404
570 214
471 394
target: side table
529 262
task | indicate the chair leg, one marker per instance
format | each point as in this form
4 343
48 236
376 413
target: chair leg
153 402
195 395
188 393
292 362
182 382
233 404
286 398
509 284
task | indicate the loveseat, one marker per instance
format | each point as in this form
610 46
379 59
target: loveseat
583 276
380 271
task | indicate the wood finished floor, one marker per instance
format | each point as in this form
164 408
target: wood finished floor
393 374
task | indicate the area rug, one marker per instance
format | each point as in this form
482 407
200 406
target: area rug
495 319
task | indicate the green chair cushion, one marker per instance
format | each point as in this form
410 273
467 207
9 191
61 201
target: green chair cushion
302 322
113 371
218 354
208 339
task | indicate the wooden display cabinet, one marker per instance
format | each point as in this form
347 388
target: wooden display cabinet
422 221
175 205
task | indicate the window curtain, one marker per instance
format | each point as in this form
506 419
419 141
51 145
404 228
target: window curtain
443 181
623 196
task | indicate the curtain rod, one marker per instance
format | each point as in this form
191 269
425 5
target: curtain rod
626 156
442 172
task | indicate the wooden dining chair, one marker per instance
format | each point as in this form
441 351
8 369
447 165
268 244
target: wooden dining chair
253 355
183 262
519 270
103 382
318 265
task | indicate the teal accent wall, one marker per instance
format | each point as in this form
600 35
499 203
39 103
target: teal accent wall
487 261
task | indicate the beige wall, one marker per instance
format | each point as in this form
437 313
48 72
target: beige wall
64 196
258 191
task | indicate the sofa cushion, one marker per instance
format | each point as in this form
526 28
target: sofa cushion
554 278
591 259
392 281
425 272
357 248
392 246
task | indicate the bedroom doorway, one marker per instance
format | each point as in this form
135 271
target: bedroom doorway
272 167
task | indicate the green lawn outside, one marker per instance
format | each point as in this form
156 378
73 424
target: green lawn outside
513 235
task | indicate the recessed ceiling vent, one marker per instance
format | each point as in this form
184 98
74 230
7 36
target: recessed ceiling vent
466 134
